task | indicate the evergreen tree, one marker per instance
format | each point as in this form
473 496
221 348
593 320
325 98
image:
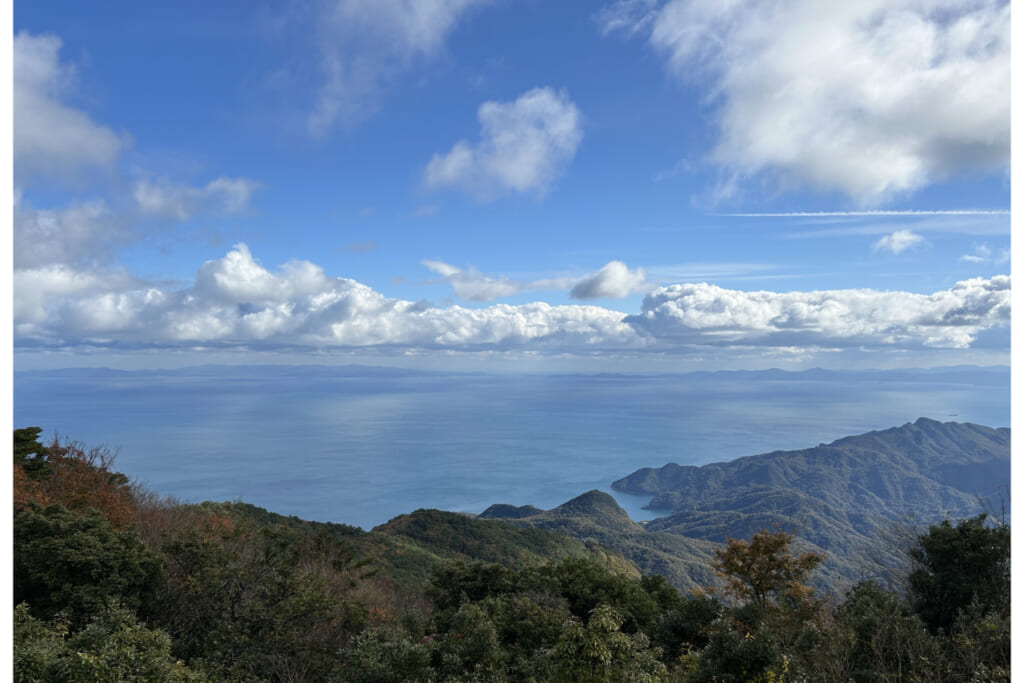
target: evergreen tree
960 565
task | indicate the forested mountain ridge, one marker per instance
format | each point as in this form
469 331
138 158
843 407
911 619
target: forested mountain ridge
838 497
942 452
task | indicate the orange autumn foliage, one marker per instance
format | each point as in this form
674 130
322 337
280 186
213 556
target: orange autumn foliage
26 490
78 479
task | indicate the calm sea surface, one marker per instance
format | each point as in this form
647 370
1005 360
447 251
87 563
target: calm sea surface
361 445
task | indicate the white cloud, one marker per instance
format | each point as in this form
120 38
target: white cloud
682 166
627 16
239 278
524 146
962 225
236 302
872 98
219 196
898 242
365 43
474 285
982 253
706 314
712 270
42 295
51 137
614 281
81 233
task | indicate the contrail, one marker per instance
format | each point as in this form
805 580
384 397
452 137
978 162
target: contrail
911 212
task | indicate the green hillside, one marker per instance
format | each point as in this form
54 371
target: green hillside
407 549
596 518
841 498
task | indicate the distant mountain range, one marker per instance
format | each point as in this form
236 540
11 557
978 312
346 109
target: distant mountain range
849 500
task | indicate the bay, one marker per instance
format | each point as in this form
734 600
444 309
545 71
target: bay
360 445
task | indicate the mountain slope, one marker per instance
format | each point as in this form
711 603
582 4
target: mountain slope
839 498
407 548
595 518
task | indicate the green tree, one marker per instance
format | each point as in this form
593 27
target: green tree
469 650
586 585
887 642
981 644
600 652
71 563
261 603
38 645
112 648
384 655
684 629
958 565
528 625
29 453
453 583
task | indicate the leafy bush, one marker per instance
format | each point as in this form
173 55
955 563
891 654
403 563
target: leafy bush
112 648
75 563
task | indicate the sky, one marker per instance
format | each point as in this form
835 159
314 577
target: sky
627 185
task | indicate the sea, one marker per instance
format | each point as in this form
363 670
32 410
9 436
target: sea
360 445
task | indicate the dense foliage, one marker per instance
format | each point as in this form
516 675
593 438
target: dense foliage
113 584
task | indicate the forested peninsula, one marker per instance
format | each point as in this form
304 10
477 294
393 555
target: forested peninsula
883 556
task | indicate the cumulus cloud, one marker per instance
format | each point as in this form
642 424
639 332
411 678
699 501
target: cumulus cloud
706 314
898 242
81 233
524 146
50 136
235 300
219 196
868 97
366 43
614 281
45 295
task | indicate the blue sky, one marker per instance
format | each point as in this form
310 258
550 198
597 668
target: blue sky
638 184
